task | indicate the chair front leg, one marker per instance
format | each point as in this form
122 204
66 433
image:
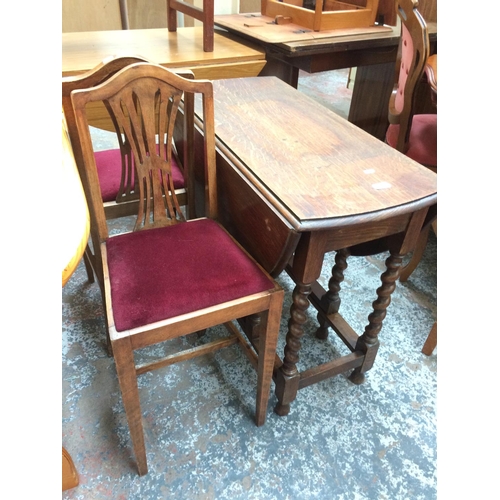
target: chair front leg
125 367
268 340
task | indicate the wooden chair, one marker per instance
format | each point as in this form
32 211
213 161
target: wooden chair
171 275
115 167
415 135
205 15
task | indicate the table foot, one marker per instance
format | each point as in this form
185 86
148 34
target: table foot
287 387
282 410
356 377
286 390
321 333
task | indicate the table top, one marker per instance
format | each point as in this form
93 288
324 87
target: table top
260 27
184 48
317 169
293 40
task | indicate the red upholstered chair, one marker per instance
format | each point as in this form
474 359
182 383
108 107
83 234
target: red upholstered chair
171 275
415 135
115 167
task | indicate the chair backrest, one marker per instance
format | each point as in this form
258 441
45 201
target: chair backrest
143 101
128 188
91 78
414 54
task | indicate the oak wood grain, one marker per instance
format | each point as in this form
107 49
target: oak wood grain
289 165
263 28
90 15
184 48
313 166
231 58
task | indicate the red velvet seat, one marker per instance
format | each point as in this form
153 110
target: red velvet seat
141 263
422 143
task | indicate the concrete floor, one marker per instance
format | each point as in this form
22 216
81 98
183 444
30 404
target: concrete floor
340 441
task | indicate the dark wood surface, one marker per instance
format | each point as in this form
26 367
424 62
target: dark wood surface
295 179
374 55
316 169
183 49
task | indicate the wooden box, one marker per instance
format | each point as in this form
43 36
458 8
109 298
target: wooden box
324 14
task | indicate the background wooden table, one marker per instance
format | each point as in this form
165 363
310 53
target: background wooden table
373 51
183 49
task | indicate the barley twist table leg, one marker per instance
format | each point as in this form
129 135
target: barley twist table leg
287 377
368 342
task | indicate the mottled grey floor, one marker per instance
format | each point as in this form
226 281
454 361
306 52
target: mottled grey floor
340 441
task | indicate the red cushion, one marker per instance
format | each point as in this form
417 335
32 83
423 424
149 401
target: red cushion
160 273
109 170
423 139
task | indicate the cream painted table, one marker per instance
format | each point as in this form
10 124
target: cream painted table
77 226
